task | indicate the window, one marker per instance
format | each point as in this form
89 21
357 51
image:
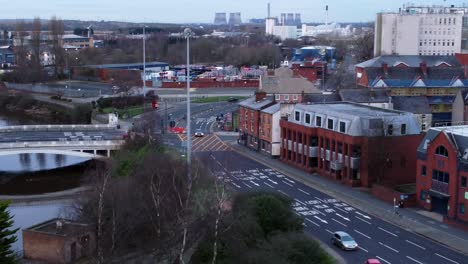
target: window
307 118
342 127
463 181
295 97
318 121
462 208
330 124
440 176
297 116
277 97
423 170
390 130
286 97
403 129
442 151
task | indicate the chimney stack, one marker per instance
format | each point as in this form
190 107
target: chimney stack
259 96
423 66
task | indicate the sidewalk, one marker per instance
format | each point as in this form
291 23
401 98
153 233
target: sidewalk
408 218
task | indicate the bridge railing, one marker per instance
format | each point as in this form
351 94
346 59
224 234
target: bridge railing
57 128
105 144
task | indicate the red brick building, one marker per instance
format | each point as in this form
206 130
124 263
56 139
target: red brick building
250 119
356 144
442 172
58 241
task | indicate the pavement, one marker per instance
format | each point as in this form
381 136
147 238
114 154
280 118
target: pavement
412 220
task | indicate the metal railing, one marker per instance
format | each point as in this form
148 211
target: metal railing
57 128
91 144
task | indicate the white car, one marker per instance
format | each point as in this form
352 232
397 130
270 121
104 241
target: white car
199 133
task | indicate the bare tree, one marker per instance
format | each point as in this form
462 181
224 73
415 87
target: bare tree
21 52
57 31
36 49
364 46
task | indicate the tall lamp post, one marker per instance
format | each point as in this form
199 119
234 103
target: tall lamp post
188 34
144 62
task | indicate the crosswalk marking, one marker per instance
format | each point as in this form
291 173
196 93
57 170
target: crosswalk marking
207 143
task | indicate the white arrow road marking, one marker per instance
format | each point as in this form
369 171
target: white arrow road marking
345 218
254 183
363 215
272 181
389 247
320 219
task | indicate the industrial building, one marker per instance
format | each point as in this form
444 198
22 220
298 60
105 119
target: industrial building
235 19
220 19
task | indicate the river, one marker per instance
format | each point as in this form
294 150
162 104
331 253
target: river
25 174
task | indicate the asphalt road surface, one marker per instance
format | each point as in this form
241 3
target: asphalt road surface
324 215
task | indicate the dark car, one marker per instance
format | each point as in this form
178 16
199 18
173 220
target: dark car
232 99
344 241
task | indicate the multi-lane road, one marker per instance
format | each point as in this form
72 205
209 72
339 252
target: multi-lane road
324 214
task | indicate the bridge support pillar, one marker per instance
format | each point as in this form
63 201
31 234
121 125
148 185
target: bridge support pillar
108 153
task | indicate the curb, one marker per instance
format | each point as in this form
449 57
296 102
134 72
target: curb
368 208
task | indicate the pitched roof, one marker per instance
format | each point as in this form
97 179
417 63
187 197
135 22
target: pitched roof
413 104
275 84
410 60
252 104
322 98
364 95
272 109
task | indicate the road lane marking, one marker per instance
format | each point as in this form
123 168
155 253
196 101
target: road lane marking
344 218
416 245
362 234
363 220
382 259
287 183
267 184
363 215
283 193
303 191
453 261
395 235
414 260
254 183
247 185
291 181
238 186
308 220
329 231
389 247
320 219
363 249
339 222
300 202
341 209
272 181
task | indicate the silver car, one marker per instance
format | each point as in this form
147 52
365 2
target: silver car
344 241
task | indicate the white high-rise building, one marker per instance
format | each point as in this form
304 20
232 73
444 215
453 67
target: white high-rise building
419 30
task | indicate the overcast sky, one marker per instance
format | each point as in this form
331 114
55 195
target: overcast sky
202 11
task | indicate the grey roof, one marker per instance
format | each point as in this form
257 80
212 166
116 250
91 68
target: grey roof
410 60
400 73
252 104
284 82
413 104
457 136
360 120
272 109
364 95
128 65
322 98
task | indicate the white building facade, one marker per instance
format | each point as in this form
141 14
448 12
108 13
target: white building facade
421 31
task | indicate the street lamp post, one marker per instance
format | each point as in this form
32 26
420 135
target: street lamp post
144 63
188 33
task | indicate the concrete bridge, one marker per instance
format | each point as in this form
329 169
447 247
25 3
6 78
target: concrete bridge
92 141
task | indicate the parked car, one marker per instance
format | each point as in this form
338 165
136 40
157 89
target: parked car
344 241
372 261
199 133
232 99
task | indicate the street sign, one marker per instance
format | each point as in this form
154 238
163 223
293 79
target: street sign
466 195
229 117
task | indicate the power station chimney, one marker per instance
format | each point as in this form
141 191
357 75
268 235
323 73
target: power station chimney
269 14
326 15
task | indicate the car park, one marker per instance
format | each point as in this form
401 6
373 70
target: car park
344 241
